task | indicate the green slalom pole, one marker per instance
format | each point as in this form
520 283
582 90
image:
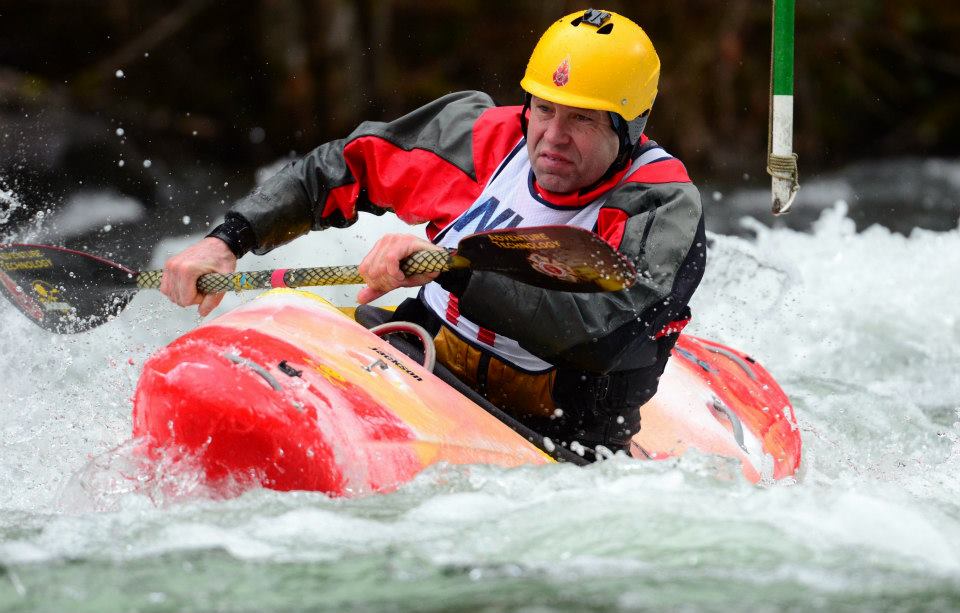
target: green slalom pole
781 160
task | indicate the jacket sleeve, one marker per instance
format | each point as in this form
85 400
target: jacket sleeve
661 230
420 166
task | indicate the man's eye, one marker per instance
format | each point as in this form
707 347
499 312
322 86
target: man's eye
584 118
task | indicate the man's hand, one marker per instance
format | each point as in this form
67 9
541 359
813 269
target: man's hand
381 267
180 273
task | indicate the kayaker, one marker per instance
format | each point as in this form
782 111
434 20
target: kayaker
574 367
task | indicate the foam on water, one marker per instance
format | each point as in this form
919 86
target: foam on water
861 329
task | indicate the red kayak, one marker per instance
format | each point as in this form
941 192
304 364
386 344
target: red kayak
289 393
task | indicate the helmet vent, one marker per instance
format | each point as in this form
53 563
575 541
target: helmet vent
606 29
595 18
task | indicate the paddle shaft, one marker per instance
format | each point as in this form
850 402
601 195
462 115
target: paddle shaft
67 291
212 283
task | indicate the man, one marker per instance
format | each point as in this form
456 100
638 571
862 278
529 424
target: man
574 367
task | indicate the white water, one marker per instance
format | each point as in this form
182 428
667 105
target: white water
862 331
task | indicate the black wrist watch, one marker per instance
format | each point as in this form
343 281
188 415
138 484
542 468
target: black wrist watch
237 233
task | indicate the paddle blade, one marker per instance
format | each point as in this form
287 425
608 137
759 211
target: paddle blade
62 290
563 258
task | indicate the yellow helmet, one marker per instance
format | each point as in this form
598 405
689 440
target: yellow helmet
595 60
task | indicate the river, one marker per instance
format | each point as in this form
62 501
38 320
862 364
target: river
861 326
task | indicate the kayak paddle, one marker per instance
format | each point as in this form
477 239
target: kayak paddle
67 291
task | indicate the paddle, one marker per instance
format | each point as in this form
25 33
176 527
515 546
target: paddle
67 291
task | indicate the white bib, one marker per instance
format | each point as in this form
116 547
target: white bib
508 201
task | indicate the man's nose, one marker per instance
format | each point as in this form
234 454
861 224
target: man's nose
557 131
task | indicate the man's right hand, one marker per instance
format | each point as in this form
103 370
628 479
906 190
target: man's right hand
180 273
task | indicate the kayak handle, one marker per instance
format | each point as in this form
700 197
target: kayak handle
429 351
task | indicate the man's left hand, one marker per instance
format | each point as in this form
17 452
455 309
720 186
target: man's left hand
380 268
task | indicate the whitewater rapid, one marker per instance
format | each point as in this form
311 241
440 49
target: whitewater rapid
861 329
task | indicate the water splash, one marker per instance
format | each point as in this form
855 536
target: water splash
8 204
860 328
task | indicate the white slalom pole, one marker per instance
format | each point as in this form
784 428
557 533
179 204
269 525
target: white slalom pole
781 160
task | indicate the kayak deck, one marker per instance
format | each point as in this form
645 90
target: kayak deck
287 392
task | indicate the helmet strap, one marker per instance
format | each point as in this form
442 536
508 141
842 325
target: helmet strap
623 135
527 99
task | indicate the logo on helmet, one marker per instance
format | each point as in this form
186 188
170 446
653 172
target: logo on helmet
562 74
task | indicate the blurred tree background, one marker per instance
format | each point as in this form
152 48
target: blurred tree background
235 85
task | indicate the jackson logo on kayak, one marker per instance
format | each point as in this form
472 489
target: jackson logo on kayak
395 362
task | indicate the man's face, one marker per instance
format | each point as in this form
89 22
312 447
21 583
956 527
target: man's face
570 148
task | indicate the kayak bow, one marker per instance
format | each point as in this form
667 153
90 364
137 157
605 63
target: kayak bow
287 392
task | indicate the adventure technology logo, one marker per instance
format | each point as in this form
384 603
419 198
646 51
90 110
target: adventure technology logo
562 74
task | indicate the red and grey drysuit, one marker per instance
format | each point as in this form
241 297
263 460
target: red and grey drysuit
460 164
